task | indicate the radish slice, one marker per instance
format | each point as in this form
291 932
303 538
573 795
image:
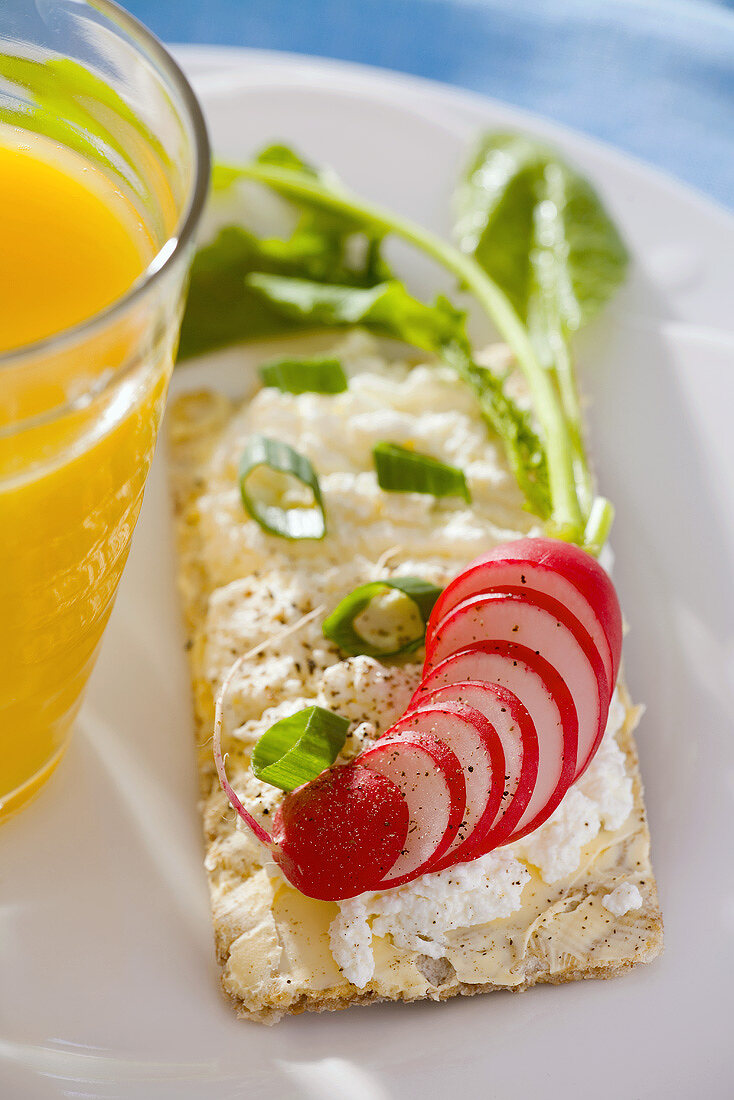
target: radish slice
505 712
563 643
341 833
478 748
560 611
548 702
432 784
557 569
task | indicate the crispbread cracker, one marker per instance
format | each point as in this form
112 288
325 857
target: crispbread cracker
272 943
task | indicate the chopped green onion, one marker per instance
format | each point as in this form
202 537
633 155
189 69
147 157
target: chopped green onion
402 471
297 749
340 627
291 521
309 375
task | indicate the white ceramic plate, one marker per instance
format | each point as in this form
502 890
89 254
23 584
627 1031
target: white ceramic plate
108 986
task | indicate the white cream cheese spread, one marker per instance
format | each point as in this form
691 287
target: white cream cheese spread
419 915
601 798
623 899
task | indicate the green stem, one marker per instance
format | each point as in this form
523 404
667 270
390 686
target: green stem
572 407
567 517
566 520
599 525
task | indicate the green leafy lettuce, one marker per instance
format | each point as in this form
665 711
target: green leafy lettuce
540 231
536 250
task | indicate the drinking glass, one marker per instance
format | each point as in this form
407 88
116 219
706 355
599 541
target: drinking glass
80 409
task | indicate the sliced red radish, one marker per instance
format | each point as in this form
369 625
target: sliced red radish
548 702
341 833
431 781
517 734
558 569
522 654
479 750
562 642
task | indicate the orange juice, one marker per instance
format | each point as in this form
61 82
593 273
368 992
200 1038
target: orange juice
71 485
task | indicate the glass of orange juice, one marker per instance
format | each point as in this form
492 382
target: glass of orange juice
104 164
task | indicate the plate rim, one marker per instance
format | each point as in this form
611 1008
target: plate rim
463 99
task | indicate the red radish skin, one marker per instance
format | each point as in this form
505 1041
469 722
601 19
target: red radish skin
478 748
340 834
513 618
519 740
562 614
220 763
432 784
548 702
537 583
589 623
560 570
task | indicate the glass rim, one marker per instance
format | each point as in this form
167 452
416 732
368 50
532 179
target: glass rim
170 250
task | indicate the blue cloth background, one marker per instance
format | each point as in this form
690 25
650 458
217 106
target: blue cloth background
653 77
